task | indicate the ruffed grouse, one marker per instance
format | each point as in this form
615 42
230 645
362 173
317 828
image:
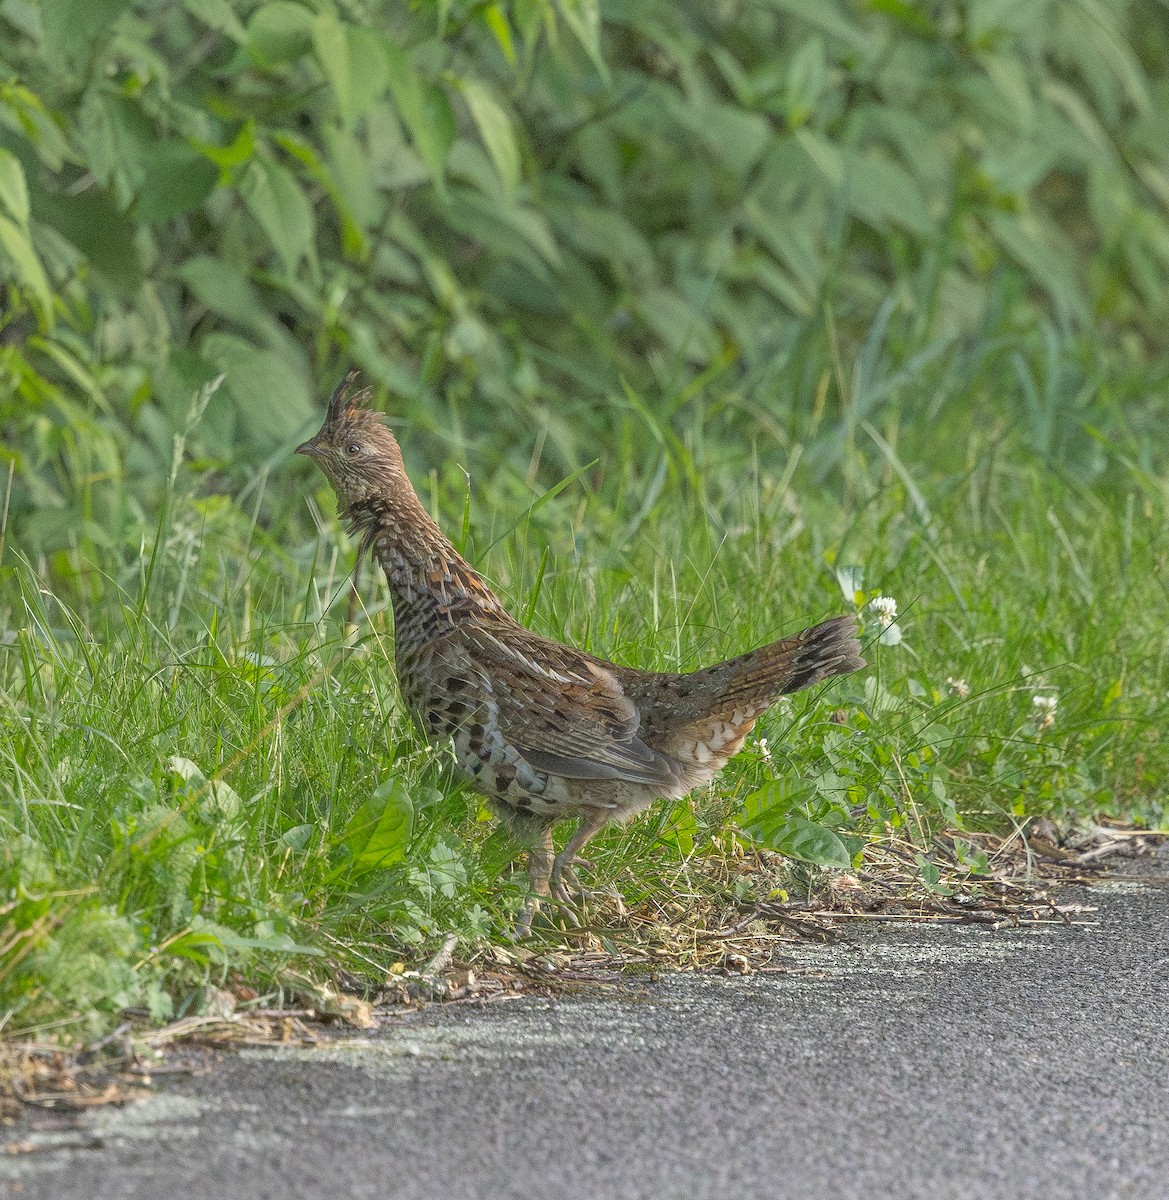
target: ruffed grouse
543 730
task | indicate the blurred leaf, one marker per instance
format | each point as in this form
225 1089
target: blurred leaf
271 394
71 25
583 17
13 189
95 226
280 32
178 179
218 14
354 62
496 21
1049 269
226 290
425 110
277 202
495 128
235 154
825 15
806 81
29 271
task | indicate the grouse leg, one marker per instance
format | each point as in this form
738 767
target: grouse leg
563 879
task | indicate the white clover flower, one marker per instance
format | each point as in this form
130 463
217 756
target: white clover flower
884 608
1045 709
957 687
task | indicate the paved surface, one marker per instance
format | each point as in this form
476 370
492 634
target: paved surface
924 1062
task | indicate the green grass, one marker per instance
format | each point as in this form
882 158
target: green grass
205 770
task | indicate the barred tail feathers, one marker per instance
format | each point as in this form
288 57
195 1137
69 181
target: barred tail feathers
789 665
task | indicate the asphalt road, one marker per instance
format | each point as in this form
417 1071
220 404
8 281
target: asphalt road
925 1062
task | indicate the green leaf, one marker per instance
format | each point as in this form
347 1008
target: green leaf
583 17
354 62
29 271
425 111
495 128
377 835
767 818
824 14
237 153
812 843
218 14
13 189
222 287
277 202
271 393
807 80
496 21
881 191
280 32
97 228
71 25
178 179
297 837
765 811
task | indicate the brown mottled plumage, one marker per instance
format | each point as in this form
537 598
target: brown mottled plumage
543 730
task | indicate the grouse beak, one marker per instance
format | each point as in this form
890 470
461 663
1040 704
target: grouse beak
309 448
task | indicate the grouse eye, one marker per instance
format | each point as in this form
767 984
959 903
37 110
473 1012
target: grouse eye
353 448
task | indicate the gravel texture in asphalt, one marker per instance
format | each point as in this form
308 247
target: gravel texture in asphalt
930 1061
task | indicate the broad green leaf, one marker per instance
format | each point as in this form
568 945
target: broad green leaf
350 174
425 111
117 136
682 327
765 812
737 137
27 112
95 226
297 837
354 62
1026 242
178 179
221 286
881 191
29 270
807 80
13 189
809 842
496 130
378 834
280 32
279 204
71 25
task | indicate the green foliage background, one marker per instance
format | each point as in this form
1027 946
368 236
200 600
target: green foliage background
514 215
